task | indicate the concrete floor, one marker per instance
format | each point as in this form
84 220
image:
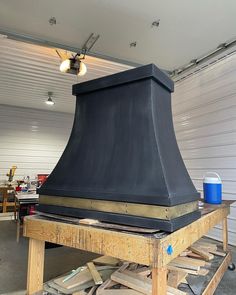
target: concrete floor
13 262
13 259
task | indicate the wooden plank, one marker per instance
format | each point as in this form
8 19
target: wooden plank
88 221
35 266
218 253
80 293
92 290
225 234
143 285
120 292
133 281
184 265
126 246
206 245
144 271
72 290
207 256
181 239
203 272
107 284
95 274
193 255
174 291
175 278
106 260
211 287
143 210
197 262
188 271
83 277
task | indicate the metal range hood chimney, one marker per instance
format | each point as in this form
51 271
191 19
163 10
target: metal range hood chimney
122 163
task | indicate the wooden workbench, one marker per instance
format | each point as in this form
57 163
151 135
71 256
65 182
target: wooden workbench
140 248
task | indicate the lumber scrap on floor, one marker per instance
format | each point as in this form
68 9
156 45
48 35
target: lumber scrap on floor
139 283
207 256
175 278
218 253
106 260
191 261
185 265
95 274
120 292
84 277
188 271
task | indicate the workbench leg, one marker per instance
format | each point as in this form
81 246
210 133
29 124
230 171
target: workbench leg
159 281
225 234
4 203
35 266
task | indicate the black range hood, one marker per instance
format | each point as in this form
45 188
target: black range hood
122 153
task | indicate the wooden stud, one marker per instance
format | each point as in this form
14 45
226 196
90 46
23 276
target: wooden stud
225 234
35 266
159 281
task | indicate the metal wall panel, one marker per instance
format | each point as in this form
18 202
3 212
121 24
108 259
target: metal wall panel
204 111
33 140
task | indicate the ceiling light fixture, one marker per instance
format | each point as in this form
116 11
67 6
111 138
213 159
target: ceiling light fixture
49 101
73 64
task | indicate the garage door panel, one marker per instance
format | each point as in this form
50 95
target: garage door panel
204 110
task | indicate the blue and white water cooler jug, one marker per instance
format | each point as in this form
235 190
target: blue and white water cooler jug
212 188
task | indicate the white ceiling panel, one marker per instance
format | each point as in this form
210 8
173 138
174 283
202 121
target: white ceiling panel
188 28
28 72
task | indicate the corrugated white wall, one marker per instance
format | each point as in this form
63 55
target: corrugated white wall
204 111
33 140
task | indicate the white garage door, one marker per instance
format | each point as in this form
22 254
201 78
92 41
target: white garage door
204 110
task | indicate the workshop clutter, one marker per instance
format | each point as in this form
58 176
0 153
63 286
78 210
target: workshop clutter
110 276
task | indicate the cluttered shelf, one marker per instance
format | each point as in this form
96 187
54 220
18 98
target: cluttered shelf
154 249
